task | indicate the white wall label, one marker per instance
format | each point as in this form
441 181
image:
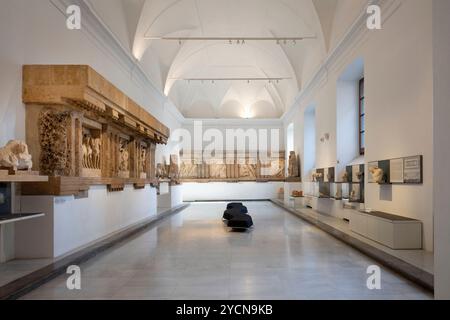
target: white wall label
73 21
74 281
374 19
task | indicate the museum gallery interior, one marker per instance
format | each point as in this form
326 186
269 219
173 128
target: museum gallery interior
224 150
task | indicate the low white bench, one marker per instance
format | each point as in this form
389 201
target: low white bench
393 231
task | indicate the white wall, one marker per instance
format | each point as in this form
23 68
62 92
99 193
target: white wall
222 126
309 141
34 32
441 199
231 191
73 223
398 78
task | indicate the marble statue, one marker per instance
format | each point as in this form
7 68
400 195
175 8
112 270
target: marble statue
377 174
15 155
91 148
293 170
174 170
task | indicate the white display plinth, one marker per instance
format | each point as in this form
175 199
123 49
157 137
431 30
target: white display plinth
402 234
71 223
171 199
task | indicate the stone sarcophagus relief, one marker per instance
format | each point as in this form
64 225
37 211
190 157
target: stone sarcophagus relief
233 166
79 125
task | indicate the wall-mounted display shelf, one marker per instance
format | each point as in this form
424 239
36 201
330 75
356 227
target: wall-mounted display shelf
324 175
407 170
393 231
22 177
68 186
354 177
11 218
323 180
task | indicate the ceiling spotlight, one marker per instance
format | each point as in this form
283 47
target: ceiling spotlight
248 81
238 42
243 41
230 41
285 42
213 82
278 42
295 42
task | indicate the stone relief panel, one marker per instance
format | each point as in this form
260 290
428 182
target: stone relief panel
55 150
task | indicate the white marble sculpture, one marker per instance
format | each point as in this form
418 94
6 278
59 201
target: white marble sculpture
377 174
15 155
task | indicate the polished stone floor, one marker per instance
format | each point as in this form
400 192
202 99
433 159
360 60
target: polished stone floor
193 256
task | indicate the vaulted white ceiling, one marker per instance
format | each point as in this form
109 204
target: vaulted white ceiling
166 62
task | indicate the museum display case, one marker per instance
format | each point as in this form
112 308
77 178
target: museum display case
406 170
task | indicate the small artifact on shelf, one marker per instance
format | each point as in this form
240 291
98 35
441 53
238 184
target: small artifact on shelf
281 190
338 194
316 176
345 177
15 156
297 194
360 175
377 175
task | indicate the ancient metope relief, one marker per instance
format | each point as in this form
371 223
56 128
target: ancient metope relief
124 158
235 166
91 153
143 160
188 170
218 170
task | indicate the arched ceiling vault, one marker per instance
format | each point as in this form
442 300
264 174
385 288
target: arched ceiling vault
166 62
